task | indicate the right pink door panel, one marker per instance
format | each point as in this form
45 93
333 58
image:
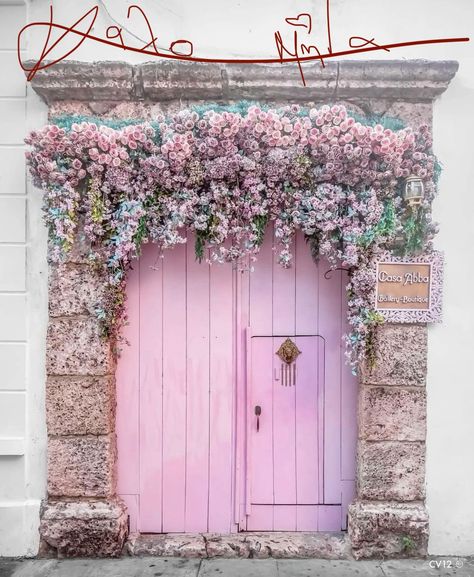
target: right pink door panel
301 443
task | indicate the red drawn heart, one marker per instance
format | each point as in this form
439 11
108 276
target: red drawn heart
303 19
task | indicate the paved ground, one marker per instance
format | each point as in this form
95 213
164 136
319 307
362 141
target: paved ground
172 567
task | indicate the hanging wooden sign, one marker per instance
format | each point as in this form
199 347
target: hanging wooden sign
410 290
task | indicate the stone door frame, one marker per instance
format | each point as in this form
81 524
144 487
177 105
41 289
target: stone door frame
82 514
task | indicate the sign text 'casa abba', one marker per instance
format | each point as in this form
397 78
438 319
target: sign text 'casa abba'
403 286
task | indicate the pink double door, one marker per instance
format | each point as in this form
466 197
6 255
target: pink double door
235 410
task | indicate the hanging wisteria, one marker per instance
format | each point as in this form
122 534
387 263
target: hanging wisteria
225 174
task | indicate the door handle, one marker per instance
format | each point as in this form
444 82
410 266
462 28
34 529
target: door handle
258 412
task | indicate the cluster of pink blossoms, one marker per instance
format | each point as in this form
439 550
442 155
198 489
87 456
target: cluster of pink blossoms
225 176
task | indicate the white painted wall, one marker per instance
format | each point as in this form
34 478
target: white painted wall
242 28
450 456
23 307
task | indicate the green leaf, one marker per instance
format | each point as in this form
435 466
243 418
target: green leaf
199 245
260 223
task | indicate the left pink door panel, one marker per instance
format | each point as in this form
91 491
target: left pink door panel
177 371
151 391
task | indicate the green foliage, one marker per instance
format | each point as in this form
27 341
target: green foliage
107 313
313 242
387 222
203 237
384 228
408 543
414 231
141 233
372 319
200 244
389 122
261 224
65 121
96 202
438 169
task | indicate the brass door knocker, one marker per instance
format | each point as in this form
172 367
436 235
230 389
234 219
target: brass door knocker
288 353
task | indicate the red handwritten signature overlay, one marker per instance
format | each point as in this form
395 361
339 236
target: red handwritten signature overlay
300 50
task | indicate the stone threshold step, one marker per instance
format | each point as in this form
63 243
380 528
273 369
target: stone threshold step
283 545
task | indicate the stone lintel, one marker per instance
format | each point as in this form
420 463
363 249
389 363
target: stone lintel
162 80
415 80
84 80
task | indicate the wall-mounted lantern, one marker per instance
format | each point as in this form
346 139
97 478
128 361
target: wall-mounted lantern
414 190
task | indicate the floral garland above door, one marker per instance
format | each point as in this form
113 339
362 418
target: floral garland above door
226 173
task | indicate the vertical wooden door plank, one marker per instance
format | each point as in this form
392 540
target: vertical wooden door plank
330 324
321 353
306 302
241 323
221 403
197 397
284 445
307 390
284 397
174 389
151 389
307 450
261 290
284 518
349 388
329 518
261 445
307 517
284 295
127 383
261 518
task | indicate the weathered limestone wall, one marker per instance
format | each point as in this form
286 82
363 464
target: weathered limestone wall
389 517
82 515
